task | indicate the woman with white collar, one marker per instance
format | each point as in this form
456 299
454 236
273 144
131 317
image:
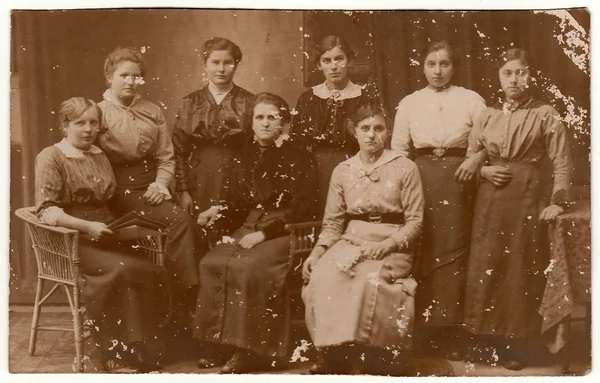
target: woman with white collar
360 294
137 142
321 112
212 125
73 182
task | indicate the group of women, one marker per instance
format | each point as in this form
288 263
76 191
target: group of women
437 233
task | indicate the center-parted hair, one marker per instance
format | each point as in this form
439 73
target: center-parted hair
438 45
362 112
330 42
124 54
221 44
276 101
73 108
513 54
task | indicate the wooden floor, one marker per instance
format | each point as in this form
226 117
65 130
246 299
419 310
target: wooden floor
55 353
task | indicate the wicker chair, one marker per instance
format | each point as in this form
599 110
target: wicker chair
57 257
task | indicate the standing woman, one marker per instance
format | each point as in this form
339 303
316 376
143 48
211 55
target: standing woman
433 124
137 142
319 124
505 280
243 308
212 125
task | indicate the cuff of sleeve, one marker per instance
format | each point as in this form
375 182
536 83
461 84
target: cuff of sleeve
180 185
560 198
51 215
161 188
326 241
401 243
274 230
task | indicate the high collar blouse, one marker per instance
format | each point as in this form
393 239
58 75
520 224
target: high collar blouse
131 133
429 118
392 185
525 132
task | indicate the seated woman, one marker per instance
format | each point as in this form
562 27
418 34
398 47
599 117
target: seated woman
138 144
360 294
242 306
73 182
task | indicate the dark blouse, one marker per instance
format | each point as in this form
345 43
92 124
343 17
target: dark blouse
201 122
322 121
273 178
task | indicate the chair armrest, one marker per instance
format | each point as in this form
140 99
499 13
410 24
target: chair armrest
27 214
303 225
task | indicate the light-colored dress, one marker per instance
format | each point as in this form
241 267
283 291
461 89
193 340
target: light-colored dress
440 119
355 300
509 254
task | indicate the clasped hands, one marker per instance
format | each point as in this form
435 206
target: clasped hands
248 241
375 250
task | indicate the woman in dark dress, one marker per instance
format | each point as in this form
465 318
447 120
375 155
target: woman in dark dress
243 308
73 182
212 125
137 142
506 279
319 124
432 125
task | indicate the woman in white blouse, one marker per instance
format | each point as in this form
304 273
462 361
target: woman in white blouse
432 126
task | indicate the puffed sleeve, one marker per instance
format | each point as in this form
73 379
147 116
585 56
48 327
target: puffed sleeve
411 196
474 141
49 186
302 194
334 218
401 140
301 126
476 106
182 144
558 149
163 154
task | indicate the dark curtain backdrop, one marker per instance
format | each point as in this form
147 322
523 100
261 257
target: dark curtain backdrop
389 44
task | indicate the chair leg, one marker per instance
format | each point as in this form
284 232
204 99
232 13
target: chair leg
36 316
77 328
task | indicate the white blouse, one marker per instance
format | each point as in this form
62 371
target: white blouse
429 118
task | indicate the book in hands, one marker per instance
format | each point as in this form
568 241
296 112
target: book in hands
133 226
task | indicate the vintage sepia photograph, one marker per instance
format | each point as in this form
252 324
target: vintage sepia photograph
376 193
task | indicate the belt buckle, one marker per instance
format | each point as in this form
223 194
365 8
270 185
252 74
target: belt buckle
439 152
375 217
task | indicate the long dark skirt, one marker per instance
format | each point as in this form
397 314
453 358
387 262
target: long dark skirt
133 180
122 293
210 167
242 300
440 268
327 158
505 279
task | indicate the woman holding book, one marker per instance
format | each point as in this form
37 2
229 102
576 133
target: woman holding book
73 182
243 309
136 140
360 294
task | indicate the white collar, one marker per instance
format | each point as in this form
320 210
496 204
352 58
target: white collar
385 157
109 96
351 90
72 152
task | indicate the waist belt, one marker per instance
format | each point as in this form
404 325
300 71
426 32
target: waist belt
395 218
442 152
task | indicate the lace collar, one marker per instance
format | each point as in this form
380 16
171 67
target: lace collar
109 96
351 90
